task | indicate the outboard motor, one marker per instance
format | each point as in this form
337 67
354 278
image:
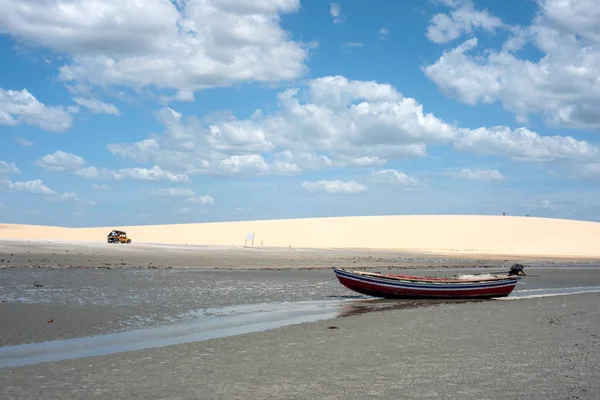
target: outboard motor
517 269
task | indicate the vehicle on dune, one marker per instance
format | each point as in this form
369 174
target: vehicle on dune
117 236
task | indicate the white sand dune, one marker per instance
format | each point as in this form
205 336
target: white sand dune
456 234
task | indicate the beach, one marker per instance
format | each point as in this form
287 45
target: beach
99 254
82 318
276 342
86 302
544 348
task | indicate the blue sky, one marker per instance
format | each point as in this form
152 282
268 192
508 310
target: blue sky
219 110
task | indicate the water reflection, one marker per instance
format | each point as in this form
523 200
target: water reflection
366 306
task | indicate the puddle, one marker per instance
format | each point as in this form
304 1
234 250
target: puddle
535 293
221 323
212 323
367 306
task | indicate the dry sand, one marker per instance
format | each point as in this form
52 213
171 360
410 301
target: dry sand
81 254
545 348
441 234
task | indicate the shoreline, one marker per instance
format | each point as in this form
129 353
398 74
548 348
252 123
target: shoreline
64 254
413 351
88 302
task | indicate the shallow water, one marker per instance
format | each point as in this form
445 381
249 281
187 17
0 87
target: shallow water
195 305
224 322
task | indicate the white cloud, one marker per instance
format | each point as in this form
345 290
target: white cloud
334 187
333 122
487 175
462 19
20 106
7 168
522 144
172 192
548 205
23 142
335 10
330 123
394 178
100 187
590 172
561 86
206 199
65 197
247 164
156 173
182 45
285 168
35 187
353 44
97 106
61 161
67 162
384 33
91 172
181 95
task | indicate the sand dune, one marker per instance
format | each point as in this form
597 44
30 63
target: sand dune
439 234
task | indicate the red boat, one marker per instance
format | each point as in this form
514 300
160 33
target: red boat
411 286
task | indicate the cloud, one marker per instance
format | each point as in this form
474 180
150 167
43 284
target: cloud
7 168
548 205
61 161
186 96
189 194
487 175
462 19
206 199
522 144
246 164
172 192
335 10
560 86
20 106
384 33
23 142
394 178
334 187
331 122
66 162
180 45
100 187
156 173
96 106
353 44
36 187
589 172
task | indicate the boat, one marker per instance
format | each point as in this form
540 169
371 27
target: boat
423 287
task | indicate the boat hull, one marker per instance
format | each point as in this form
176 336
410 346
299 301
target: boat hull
396 288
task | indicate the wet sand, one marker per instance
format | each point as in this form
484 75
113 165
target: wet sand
57 254
544 348
532 348
83 302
